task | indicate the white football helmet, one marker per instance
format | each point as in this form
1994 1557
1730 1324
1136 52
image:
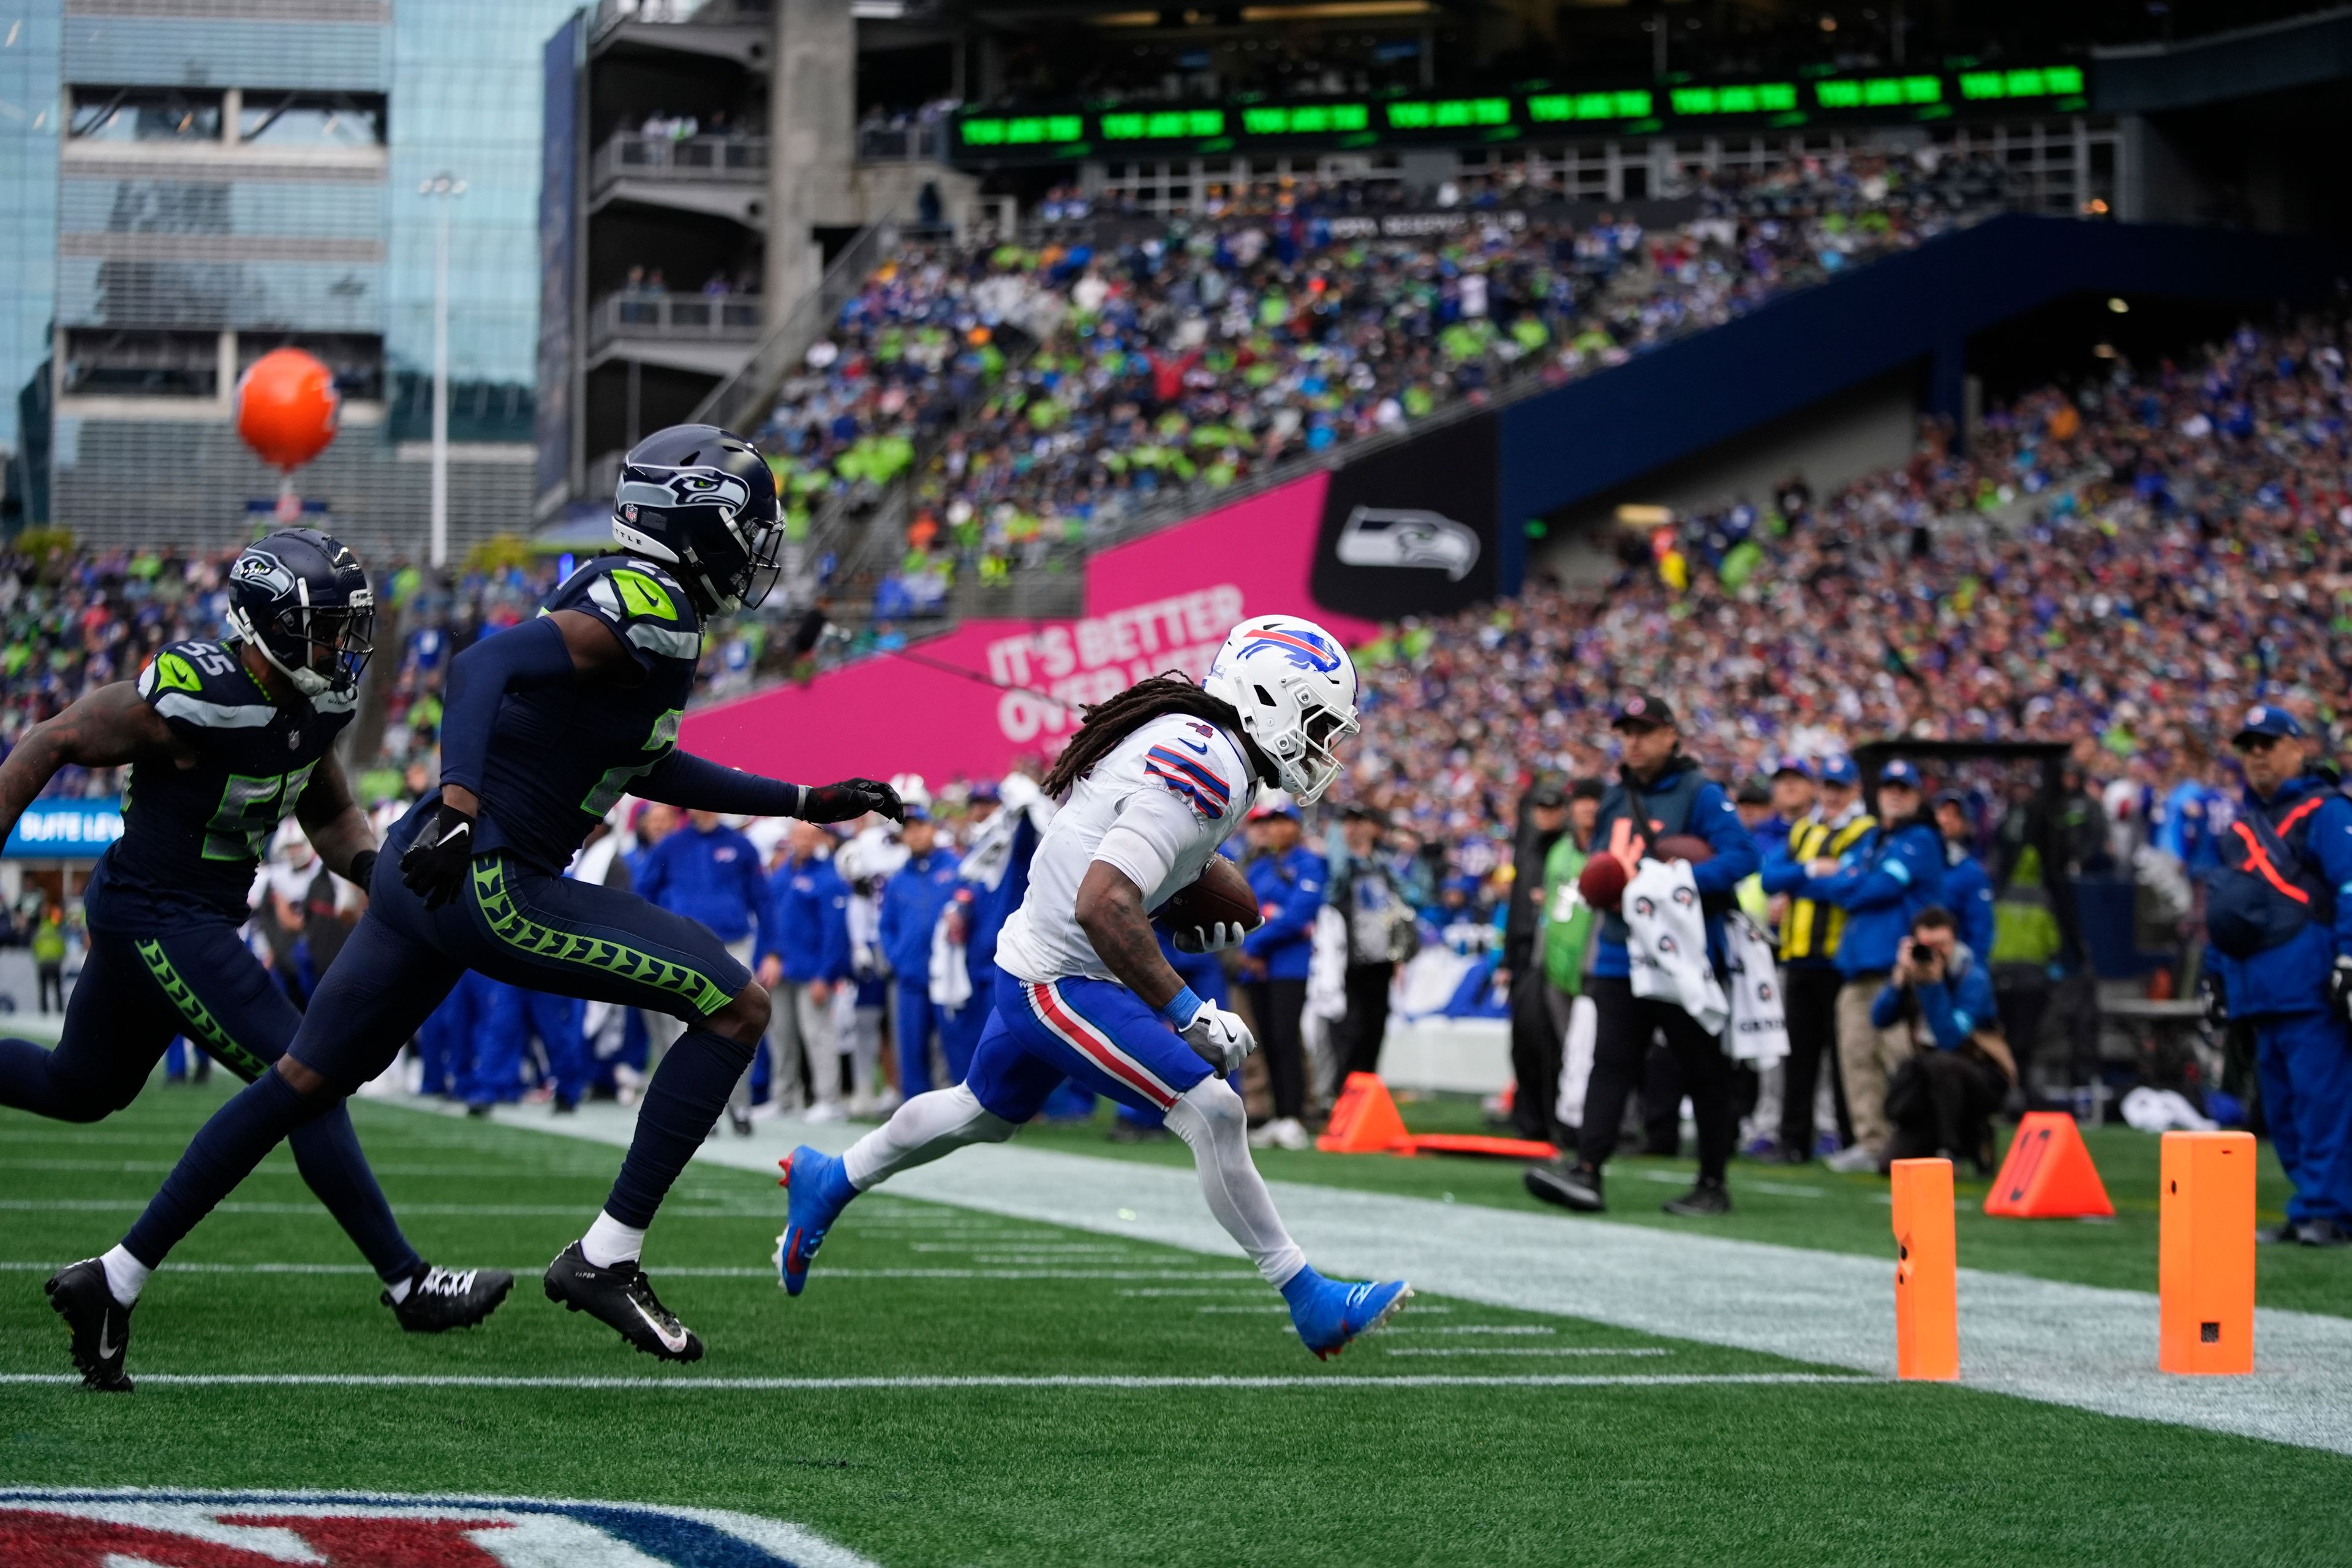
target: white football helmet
1295 688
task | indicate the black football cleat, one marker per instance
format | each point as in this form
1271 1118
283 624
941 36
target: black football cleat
1704 1199
99 1324
1572 1185
622 1298
439 1299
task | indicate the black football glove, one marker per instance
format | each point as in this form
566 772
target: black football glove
438 862
850 798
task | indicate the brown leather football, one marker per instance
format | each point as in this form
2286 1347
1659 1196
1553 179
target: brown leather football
1222 893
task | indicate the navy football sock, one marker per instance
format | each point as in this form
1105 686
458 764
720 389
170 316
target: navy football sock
224 1151
682 1103
328 1153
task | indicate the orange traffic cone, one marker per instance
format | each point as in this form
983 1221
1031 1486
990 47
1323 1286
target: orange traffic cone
1365 1121
2048 1174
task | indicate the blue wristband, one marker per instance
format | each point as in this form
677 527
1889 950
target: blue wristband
1179 1009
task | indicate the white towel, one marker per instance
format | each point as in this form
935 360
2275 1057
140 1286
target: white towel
950 973
1760 1023
1667 942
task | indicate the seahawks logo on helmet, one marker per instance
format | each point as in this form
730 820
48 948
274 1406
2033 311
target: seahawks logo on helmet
682 487
266 573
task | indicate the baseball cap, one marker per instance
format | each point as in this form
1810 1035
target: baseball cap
917 811
1797 765
985 789
1643 711
1755 792
2264 719
1546 795
1588 789
1357 811
1839 772
1951 797
1274 803
1900 773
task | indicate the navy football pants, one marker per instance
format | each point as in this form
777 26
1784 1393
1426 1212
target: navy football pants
2304 1063
135 996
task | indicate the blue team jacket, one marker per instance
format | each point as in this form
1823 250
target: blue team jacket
715 877
807 925
1881 884
911 901
1953 1007
1967 893
2293 976
1289 888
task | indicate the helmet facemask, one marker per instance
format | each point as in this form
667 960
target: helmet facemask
320 648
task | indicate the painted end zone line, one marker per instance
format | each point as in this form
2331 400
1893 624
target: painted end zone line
522 1269
1079 1380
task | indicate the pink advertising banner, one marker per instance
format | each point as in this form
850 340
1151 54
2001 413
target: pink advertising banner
968 704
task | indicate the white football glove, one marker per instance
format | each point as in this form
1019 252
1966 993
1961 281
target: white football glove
1214 937
1220 1036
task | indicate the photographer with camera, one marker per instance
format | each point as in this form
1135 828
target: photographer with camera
1942 1098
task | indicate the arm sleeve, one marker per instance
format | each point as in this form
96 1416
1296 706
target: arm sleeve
2330 842
1154 828
1904 865
698 783
516 659
1734 845
1780 874
1949 1022
1887 1006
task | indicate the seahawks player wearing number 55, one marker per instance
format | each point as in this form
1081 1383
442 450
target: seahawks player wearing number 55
1155 780
224 740
545 726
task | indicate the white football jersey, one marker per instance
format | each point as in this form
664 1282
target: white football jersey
1156 809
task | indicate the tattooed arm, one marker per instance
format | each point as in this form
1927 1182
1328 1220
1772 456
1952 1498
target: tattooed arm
1110 911
338 830
111 726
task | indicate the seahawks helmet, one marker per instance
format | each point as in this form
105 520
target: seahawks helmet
302 598
703 502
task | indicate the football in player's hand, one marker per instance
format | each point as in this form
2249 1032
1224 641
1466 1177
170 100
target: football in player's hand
1602 882
1221 893
1687 847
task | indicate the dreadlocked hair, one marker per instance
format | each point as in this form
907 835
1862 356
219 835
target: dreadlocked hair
1108 722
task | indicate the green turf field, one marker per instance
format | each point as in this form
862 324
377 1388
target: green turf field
1669 1452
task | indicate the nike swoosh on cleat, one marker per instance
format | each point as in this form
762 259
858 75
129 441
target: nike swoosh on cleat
105 1350
672 1345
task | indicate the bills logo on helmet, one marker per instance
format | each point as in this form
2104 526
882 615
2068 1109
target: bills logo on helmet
682 487
110 1528
264 572
1307 650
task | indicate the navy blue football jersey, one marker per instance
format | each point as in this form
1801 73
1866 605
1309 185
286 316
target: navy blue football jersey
191 836
563 755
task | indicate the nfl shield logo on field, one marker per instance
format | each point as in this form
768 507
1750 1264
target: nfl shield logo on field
112 1529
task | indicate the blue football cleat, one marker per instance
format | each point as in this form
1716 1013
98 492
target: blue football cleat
1330 1314
820 1190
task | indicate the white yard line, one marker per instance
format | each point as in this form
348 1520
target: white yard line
1063 1381
526 1269
2079 1346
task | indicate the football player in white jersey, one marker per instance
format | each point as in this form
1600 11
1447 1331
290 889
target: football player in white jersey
1155 779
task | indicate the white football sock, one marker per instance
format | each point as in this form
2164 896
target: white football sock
1210 1117
609 1242
920 1131
125 1274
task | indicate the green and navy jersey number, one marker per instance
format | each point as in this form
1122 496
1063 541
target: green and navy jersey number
250 810
617 781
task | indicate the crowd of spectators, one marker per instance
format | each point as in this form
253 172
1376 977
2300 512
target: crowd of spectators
2130 563
1042 394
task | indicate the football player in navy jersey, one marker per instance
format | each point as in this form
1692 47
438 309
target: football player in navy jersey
544 726
224 740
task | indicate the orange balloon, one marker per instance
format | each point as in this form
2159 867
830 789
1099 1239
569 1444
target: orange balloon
287 406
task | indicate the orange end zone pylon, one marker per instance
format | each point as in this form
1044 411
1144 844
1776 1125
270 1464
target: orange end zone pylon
2205 1254
1476 1143
2048 1174
1365 1120
1927 1272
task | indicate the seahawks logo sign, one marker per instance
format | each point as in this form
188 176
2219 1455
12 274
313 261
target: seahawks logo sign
266 573
116 1527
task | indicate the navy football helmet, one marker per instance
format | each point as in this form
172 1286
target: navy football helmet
703 502
302 598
